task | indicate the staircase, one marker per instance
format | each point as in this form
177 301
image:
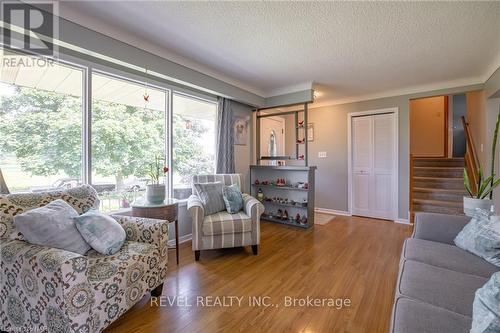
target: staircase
437 185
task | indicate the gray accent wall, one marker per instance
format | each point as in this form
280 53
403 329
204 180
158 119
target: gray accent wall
330 135
290 98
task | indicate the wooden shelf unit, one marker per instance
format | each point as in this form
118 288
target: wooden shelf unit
292 175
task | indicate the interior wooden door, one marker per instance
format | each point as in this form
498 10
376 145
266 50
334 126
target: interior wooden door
373 171
362 164
383 194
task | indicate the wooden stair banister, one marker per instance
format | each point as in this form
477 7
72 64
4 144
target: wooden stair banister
471 159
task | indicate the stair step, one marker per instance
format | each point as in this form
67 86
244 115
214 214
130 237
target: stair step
439 182
437 209
444 190
433 162
439 203
429 194
437 171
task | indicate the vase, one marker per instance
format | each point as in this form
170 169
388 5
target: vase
155 193
470 205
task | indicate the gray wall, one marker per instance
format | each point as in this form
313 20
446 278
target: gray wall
330 135
492 85
492 105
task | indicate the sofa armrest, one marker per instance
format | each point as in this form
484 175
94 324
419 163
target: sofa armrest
145 230
253 208
197 213
438 227
195 206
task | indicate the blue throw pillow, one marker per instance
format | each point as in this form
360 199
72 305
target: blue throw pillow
486 307
102 232
232 198
481 236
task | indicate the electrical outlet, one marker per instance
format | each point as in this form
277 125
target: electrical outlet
322 154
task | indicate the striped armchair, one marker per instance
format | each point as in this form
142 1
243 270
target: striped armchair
224 230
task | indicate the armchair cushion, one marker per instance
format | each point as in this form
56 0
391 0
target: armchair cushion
232 198
210 195
225 223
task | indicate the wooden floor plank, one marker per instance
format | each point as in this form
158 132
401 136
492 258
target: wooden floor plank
350 257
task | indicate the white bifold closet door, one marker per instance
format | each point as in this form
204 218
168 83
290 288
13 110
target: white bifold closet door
373 160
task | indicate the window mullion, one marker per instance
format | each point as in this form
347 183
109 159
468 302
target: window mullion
87 127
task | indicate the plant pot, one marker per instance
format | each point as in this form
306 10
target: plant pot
155 193
470 205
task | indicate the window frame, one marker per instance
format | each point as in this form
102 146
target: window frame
88 68
84 110
196 98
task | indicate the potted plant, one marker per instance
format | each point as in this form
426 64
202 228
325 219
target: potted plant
483 198
155 192
480 199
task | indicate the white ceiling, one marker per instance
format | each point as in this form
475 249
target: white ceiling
351 50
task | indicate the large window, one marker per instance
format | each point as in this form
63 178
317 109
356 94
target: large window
40 124
44 119
193 141
128 132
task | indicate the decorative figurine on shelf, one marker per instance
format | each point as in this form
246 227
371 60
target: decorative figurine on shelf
260 195
300 124
280 213
303 221
297 218
257 182
299 141
301 157
306 186
281 182
285 215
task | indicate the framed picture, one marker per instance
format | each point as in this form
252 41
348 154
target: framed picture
240 130
310 132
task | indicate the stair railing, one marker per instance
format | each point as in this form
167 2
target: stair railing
470 158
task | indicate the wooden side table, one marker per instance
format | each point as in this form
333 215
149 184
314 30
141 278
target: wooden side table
167 210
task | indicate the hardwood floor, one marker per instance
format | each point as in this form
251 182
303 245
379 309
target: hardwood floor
351 257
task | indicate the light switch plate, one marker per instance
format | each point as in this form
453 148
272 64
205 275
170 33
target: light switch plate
322 154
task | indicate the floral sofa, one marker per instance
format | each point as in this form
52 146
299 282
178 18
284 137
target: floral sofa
46 289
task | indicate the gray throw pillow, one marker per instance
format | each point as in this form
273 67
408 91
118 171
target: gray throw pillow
52 225
481 236
101 231
210 195
232 198
486 307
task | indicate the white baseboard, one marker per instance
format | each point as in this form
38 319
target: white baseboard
182 239
331 211
402 221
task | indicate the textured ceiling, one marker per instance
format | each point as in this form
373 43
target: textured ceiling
351 50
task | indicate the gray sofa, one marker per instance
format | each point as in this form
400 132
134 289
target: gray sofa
437 280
